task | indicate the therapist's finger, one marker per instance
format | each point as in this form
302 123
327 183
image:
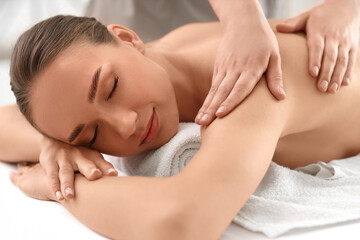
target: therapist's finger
217 79
242 88
294 24
66 176
316 49
350 66
328 64
274 77
222 92
339 71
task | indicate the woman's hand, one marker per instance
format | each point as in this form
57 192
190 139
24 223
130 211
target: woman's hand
332 30
246 51
60 160
32 181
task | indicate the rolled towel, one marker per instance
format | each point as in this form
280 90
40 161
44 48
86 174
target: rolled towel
169 159
315 195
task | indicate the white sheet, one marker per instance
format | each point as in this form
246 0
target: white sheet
22 217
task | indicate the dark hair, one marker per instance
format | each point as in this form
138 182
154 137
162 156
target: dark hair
38 46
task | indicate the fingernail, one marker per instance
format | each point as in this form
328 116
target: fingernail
199 116
112 170
333 87
205 117
324 85
220 110
69 192
281 90
316 70
59 196
95 170
347 81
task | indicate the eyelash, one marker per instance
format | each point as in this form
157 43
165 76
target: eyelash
116 79
94 138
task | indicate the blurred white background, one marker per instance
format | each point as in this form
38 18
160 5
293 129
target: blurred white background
16 16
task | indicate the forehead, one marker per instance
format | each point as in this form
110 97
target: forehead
64 82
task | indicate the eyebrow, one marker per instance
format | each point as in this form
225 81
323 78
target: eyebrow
77 130
94 85
92 93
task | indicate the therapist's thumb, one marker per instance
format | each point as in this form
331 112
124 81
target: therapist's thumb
294 24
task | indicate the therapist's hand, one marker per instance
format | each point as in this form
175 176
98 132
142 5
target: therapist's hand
332 30
60 160
247 49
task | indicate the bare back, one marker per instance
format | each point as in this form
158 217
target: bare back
322 126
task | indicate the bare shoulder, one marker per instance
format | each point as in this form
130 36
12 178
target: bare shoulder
190 35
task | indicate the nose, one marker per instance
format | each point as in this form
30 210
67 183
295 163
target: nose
123 122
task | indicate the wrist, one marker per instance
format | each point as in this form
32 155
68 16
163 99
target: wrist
231 13
355 4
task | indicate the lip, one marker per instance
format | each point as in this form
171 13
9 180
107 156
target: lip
151 128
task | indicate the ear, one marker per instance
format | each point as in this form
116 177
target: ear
123 34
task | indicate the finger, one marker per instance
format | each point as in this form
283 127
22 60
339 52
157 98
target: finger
66 176
88 168
221 94
274 78
350 66
240 92
217 79
294 24
327 65
316 49
51 169
105 167
339 71
22 168
14 178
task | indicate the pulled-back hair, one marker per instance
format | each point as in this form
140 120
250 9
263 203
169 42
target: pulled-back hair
37 48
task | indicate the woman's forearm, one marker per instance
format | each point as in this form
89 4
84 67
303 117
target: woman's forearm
19 141
199 202
128 207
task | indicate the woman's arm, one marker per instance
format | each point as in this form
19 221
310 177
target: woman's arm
201 201
19 141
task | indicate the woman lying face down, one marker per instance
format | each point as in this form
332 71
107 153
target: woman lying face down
123 97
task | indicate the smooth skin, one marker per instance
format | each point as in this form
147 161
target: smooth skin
332 34
236 150
237 69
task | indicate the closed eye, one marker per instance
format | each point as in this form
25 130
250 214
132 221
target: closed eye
116 79
94 138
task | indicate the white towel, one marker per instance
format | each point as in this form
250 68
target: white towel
315 195
169 159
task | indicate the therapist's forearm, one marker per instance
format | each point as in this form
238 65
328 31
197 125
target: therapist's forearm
355 4
233 12
19 141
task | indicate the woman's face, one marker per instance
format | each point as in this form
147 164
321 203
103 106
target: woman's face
109 96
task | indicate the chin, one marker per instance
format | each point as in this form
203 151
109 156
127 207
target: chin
168 132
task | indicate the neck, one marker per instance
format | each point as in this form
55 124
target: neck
184 79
